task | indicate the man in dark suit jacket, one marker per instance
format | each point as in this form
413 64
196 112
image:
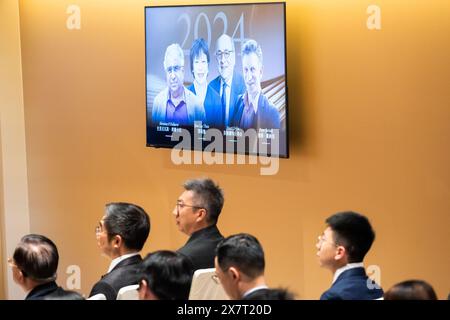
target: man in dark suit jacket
121 234
341 249
34 265
196 214
240 264
253 109
266 116
228 79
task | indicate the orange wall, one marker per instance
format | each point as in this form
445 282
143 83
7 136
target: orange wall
369 128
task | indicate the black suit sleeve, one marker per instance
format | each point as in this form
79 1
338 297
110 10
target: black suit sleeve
106 289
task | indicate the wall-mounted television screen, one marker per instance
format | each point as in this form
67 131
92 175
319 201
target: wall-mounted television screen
216 78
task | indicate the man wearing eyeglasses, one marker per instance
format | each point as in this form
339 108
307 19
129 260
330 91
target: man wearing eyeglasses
229 85
196 214
121 235
34 265
341 249
176 104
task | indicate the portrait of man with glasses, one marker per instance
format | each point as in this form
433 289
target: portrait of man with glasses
175 103
196 214
229 85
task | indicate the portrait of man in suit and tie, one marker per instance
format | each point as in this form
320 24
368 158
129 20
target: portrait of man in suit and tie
229 84
253 109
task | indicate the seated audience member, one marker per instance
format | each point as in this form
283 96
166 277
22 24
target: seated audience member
34 265
341 249
121 234
165 275
411 290
272 294
196 214
240 266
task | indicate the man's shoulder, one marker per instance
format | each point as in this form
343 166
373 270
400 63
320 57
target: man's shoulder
192 98
215 84
266 104
353 288
238 80
161 97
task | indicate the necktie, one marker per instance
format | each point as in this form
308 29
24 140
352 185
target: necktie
224 102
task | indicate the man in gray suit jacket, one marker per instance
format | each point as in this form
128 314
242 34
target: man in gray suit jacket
175 103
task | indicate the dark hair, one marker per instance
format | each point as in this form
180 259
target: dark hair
353 231
209 195
168 274
272 294
242 251
37 257
411 290
129 221
199 45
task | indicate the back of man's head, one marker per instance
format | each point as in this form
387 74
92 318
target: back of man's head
353 231
209 195
168 274
129 221
37 258
273 294
242 251
411 290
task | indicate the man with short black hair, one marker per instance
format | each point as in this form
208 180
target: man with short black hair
240 266
34 265
341 249
121 234
165 275
196 214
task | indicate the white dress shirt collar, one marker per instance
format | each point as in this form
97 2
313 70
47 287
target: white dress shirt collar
117 260
345 268
254 289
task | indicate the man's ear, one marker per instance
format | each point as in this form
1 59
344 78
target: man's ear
20 276
143 288
201 215
341 253
117 241
234 273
